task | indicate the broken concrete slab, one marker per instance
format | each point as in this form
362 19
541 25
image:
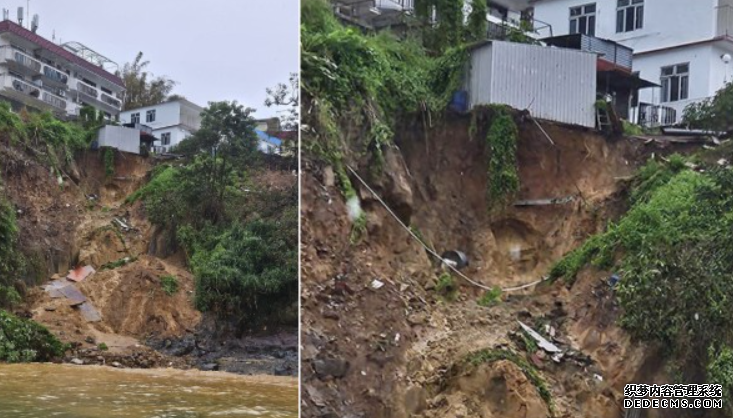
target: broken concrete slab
89 312
74 296
80 273
541 341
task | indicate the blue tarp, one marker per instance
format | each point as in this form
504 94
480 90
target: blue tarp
267 138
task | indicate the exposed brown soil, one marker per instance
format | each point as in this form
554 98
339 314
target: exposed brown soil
400 350
75 224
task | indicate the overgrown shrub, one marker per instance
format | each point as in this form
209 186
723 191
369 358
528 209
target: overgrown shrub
11 260
23 341
501 142
371 80
250 271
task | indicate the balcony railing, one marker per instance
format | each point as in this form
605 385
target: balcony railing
55 75
27 61
106 98
54 101
87 89
27 88
652 116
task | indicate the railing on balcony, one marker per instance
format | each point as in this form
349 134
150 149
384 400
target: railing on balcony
106 98
87 89
610 51
27 61
27 88
652 116
55 75
725 18
54 101
376 13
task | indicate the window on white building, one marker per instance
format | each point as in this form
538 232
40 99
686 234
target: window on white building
165 139
135 118
583 19
675 82
629 15
150 116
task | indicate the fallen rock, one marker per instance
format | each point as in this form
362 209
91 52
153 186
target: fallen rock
77 361
336 368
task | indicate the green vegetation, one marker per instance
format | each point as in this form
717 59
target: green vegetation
23 341
674 253
11 260
501 143
373 81
447 287
169 284
102 347
489 356
109 162
143 88
241 247
720 371
491 297
119 263
715 114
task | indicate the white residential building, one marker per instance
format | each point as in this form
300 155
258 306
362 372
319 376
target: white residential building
684 46
38 73
171 122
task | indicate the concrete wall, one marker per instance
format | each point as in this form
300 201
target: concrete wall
552 83
666 22
120 137
166 114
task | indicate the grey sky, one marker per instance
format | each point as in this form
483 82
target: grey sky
215 49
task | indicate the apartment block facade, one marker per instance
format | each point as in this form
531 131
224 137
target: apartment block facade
40 74
685 47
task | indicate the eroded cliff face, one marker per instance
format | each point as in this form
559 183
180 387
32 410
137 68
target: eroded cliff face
85 221
403 349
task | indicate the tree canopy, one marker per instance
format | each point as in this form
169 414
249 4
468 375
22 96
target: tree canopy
144 88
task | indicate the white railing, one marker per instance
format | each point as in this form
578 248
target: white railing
54 101
87 89
106 98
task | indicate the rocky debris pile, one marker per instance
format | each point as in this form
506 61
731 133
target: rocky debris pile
275 355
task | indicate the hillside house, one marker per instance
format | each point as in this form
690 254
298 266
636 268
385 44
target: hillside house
684 47
171 122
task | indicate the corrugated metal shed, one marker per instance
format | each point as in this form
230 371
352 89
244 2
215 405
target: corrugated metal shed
556 84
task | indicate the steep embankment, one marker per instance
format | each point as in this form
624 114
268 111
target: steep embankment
141 295
407 349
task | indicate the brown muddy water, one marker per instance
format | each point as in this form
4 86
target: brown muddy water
62 391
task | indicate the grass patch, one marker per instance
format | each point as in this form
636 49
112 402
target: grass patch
119 263
169 284
102 347
491 297
447 287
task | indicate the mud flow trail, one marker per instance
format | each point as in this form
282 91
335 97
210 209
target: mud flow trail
383 338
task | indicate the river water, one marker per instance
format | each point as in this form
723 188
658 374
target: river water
63 391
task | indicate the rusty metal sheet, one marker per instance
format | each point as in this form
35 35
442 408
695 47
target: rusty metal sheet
80 273
89 312
73 294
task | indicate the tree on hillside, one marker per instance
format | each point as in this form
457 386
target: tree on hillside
225 144
143 88
714 114
288 96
